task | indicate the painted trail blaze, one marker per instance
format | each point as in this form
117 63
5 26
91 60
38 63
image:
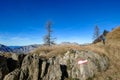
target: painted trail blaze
82 61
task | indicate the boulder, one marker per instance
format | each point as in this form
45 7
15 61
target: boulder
60 67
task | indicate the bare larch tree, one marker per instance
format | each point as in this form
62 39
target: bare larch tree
96 32
48 40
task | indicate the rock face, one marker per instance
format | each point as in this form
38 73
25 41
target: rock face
3 67
13 75
61 67
19 58
9 64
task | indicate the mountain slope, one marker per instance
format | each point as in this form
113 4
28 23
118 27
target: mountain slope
113 37
25 49
4 48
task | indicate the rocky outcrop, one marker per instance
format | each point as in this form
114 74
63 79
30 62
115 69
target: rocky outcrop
19 58
13 75
9 64
67 66
3 67
61 67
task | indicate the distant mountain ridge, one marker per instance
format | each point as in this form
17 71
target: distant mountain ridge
18 49
4 48
25 49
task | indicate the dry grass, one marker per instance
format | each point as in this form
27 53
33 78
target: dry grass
55 50
113 73
97 48
113 38
5 54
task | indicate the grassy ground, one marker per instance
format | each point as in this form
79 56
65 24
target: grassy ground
55 50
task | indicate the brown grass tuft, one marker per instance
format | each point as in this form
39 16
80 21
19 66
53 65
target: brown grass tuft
113 38
55 50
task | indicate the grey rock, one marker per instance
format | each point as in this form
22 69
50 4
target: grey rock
3 67
19 58
60 67
13 75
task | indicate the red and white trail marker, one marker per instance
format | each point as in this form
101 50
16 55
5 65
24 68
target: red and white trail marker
82 61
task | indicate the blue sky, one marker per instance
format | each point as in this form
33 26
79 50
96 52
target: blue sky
22 22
